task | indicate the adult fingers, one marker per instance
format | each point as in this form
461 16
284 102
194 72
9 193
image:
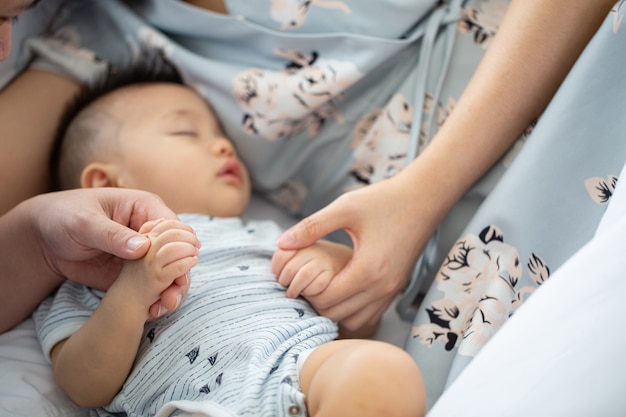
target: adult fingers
125 212
360 286
316 226
367 317
114 238
358 311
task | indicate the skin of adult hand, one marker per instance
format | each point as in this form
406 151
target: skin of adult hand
386 246
86 233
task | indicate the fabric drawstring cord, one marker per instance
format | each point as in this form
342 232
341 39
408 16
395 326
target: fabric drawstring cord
442 22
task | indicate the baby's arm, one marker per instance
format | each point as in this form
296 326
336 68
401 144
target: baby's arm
92 364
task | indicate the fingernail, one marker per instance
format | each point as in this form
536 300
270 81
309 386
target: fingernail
156 221
162 311
135 242
287 238
178 300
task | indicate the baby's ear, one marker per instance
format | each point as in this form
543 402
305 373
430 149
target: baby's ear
97 175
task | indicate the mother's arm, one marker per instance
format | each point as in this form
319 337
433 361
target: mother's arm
391 221
30 110
79 234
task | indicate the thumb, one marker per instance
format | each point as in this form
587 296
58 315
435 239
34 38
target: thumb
122 241
313 228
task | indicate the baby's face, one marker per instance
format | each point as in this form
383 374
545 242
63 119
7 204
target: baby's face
170 143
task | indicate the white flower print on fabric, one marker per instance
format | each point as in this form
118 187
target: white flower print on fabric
618 15
381 141
478 279
293 13
601 189
482 23
539 273
278 104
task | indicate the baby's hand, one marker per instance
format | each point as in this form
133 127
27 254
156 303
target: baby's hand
173 252
309 271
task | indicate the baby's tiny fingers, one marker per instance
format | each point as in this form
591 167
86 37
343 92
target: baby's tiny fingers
280 259
306 274
149 225
167 225
318 285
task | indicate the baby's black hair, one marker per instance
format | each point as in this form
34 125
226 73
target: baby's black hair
150 71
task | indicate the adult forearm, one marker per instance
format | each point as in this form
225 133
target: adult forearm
30 109
25 278
534 49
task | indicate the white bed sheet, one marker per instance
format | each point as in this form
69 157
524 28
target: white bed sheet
27 387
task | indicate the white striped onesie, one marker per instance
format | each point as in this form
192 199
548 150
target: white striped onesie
233 342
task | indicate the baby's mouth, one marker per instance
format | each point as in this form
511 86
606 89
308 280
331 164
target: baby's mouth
231 171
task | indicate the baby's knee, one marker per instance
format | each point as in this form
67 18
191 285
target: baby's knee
364 378
384 359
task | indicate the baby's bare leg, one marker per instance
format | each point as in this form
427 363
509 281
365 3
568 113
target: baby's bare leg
362 378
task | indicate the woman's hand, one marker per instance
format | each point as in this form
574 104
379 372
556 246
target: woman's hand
83 235
96 229
81 231
384 225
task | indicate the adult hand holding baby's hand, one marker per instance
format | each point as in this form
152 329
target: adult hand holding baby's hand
85 234
160 279
310 270
388 235
173 295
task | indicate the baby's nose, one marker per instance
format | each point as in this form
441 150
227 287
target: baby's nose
223 147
